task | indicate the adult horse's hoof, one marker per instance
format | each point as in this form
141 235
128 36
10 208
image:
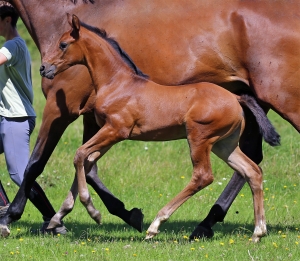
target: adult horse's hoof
136 219
202 232
4 231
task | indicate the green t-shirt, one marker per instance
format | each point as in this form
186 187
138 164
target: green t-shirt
15 80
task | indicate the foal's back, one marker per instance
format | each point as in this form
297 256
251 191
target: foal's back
171 109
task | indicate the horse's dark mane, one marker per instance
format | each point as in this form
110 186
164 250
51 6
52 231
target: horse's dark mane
102 33
85 1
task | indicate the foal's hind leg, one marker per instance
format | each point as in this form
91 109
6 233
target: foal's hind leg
230 152
201 177
251 144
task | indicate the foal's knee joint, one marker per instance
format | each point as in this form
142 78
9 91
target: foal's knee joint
79 157
206 180
84 198
202 181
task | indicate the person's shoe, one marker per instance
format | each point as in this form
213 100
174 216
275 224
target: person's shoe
62 230
3 210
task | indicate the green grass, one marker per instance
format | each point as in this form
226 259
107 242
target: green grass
148 179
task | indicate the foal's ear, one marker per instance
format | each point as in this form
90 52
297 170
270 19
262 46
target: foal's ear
75 23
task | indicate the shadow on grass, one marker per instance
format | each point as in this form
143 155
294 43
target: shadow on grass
169 230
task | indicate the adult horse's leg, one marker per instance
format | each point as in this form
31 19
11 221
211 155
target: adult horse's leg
116 207
53 125
251 145
56 119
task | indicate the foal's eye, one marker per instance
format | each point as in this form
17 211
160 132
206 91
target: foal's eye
63 45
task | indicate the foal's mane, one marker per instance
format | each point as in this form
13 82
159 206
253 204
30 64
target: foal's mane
102 33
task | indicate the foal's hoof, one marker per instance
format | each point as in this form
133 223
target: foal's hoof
4 231
136 219
54 222
255 239
150 234
97 217
202 232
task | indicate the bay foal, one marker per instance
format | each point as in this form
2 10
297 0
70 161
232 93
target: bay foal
129 106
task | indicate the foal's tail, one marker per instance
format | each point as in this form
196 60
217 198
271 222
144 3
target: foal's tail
266 128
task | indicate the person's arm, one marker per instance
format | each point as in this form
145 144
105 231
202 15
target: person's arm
3 59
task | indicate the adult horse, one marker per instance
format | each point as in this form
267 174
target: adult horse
241 45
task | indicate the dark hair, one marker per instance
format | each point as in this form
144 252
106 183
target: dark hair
6 10
116 46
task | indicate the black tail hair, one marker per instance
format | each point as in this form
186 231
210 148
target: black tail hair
266 128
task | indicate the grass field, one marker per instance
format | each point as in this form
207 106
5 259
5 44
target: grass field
148 175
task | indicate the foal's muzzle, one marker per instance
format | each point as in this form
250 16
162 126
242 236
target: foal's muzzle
47 70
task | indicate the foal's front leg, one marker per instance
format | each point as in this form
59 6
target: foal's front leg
66 207
85 196
201 177
86 156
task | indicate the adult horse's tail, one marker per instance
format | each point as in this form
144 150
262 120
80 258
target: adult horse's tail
266 128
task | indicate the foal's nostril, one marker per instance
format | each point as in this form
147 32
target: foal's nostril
42 68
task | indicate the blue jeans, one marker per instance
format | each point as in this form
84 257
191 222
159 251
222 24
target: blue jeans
14 143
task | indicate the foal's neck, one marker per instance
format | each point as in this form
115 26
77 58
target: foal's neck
104 63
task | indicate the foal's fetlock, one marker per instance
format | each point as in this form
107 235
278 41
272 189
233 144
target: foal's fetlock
151 234
54 222
153 229
96 215
259 232
255 238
